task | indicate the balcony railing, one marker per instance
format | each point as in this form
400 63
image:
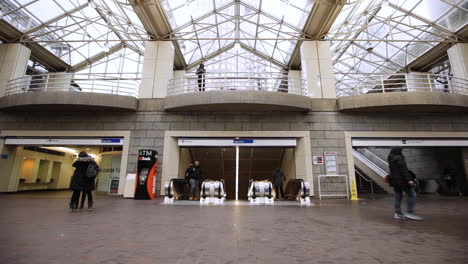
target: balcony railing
269 82
126 84
401 82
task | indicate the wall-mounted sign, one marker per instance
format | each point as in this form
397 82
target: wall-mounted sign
225 142
331 166
114 186
4 156
318 160
243 141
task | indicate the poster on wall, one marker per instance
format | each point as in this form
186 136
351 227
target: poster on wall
318 160
331 166
114 186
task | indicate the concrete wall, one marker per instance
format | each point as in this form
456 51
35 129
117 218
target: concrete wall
148 128
288 166
11 170
184 160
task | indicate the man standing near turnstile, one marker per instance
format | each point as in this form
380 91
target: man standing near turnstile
278 178
194 174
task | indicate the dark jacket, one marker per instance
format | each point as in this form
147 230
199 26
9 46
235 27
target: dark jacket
79 180
399 173
196 173
201 71
278 177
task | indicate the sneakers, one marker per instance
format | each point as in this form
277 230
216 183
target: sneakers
399 216
90 206
413 217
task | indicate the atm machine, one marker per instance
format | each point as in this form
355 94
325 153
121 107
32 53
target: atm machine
145 188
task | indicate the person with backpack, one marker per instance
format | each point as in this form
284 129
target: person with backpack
83 179
401 180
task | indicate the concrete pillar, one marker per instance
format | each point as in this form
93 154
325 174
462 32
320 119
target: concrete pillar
458 56
179 83
317 69
294 82
157 69
13 63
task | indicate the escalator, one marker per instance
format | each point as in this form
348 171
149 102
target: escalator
371 167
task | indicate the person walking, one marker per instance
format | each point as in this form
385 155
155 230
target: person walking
278 179
201 77
401 181
81 182
194 174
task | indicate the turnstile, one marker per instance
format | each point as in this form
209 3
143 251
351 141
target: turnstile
212 192
261 192
176 189
299 190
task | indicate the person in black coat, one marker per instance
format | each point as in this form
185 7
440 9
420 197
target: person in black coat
80 181
278 179
193 174
201 77
402 181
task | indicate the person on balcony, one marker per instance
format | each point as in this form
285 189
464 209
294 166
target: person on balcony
201 77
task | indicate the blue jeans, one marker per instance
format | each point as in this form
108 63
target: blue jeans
193 187
399 196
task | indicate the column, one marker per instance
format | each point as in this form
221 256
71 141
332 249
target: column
157 69
294 82
179 83
317 69
13 63
458 56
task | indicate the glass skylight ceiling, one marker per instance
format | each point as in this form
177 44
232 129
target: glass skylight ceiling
60 25
268 27
79 31
379 28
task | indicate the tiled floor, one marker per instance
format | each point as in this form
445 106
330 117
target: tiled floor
37 228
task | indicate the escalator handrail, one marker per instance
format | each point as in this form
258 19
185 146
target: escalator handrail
374 167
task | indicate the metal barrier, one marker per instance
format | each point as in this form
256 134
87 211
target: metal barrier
261 192
299 190
370 181
400 82
269 82
333 186
176 189
212 192
118 84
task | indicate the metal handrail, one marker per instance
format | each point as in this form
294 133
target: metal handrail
119 84
381 172
374 159
361 177
401 82
244 81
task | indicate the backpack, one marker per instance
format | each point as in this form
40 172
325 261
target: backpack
92 170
